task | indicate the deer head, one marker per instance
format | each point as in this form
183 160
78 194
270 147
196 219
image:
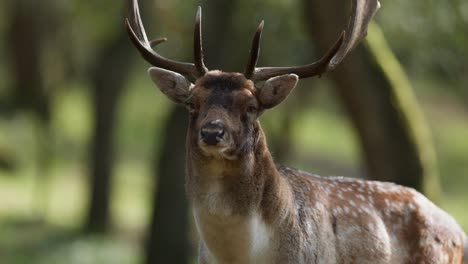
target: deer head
224 107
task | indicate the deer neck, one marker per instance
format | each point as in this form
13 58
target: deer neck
222 187
236 204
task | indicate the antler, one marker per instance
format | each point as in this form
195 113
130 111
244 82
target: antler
140 40
362 13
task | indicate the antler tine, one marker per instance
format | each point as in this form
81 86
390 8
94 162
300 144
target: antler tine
136 20
254 52
362 13
140 41
197 44
156 42
309 70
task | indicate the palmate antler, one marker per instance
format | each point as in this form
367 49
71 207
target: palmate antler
362 13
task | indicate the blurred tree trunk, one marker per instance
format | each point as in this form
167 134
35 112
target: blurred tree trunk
168 240
219 49
108 79
26 36
32 24
376 94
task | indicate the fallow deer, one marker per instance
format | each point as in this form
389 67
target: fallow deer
249 210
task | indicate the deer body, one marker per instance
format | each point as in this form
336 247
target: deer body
252 211
249 210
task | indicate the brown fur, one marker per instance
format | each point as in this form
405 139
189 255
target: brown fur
249 210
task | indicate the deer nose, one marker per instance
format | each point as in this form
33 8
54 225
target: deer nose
212 132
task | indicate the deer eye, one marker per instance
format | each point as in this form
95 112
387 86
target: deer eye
251 109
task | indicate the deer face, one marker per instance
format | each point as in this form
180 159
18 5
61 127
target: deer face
224 108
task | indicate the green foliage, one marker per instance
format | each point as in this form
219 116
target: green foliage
429 37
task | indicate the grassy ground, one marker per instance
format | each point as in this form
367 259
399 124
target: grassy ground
40 222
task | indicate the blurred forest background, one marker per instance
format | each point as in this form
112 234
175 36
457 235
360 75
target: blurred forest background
87 175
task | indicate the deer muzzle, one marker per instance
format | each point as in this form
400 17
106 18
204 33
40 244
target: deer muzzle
212 133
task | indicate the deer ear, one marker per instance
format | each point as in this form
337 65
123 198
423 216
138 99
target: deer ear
276 89
175 86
